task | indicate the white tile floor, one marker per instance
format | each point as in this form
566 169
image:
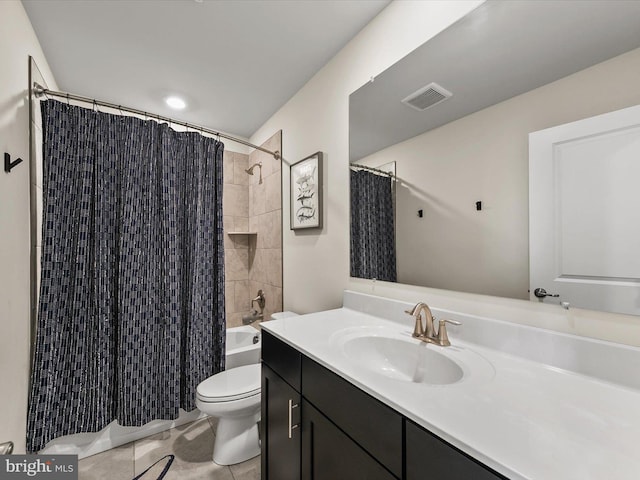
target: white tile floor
192 445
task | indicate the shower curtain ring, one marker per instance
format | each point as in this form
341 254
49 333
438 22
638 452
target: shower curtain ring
67 98
95 106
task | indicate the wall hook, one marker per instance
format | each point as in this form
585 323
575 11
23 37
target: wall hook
8 164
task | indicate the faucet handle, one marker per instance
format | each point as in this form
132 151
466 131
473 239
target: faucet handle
443 338
452 322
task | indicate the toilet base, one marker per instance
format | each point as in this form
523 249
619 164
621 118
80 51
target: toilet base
237 439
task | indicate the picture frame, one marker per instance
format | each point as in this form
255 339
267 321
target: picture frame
306 192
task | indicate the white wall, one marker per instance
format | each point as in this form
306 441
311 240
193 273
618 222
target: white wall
17 42
485 157
316 264
316 118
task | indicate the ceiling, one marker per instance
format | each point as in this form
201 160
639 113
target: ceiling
234 62
499 50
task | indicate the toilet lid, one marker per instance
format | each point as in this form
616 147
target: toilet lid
232 384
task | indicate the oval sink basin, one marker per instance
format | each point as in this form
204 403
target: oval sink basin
401 360
398 356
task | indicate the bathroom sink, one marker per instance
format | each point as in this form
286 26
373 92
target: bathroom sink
401 360
400 357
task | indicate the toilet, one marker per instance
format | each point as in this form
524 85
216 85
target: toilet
234 397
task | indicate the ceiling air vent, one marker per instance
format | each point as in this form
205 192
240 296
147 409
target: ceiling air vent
427 97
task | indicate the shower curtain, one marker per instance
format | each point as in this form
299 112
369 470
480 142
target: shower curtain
131 308
373 241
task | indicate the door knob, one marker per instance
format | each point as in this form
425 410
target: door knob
541 293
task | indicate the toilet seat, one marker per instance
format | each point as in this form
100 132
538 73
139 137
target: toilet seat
229 385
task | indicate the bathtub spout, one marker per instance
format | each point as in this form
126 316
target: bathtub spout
252 317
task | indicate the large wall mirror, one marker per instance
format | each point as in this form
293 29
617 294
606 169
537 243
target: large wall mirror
457 217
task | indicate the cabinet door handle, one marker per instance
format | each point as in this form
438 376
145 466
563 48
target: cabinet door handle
291 426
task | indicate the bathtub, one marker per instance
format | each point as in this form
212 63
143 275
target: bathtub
243 346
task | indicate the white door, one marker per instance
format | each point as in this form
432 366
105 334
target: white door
584 212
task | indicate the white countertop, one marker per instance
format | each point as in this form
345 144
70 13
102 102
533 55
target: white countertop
527 420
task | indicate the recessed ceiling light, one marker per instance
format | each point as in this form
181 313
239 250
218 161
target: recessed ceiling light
175 102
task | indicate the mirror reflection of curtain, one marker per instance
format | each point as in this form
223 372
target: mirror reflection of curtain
373 245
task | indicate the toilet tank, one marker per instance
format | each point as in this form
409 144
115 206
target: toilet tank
243 346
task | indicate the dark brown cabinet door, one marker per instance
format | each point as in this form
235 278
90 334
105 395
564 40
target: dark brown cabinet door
371 424
430 457
280 428
329 454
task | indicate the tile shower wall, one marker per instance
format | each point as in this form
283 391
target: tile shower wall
252 262
265 217
235 207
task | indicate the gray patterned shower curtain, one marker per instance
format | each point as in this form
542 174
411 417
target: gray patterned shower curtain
373 240
131 310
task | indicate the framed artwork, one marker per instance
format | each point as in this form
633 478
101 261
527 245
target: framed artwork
306 192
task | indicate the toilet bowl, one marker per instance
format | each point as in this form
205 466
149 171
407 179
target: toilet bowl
234 397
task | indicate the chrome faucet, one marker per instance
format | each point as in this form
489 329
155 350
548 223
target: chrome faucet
428 333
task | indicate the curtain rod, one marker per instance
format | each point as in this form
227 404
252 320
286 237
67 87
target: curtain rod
377 170
39 90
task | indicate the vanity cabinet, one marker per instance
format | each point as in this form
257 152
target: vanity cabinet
329 454
280 423
318 426
370 426
426 453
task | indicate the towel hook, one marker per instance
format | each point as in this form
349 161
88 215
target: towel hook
8 164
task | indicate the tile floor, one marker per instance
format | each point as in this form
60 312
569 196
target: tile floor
192 445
